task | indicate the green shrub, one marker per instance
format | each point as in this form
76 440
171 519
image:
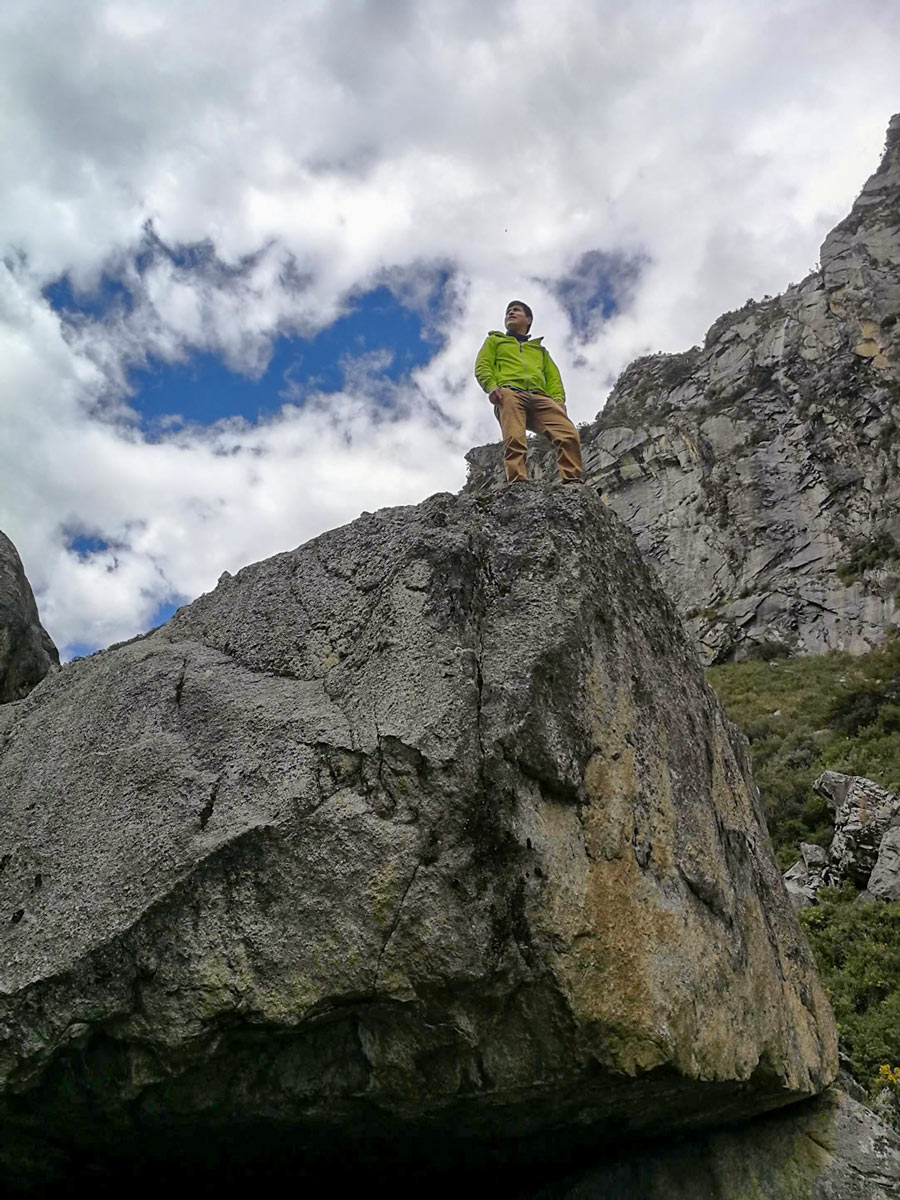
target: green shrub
857 948
872 701
866 554
768 650
801 716
782 706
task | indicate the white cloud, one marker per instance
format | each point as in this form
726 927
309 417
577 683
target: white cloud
318 148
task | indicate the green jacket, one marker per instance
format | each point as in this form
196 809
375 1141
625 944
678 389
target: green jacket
504 361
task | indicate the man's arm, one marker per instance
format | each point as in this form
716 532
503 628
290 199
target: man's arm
553 380
486 365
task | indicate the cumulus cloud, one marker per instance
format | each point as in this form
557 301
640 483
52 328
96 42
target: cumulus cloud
241 171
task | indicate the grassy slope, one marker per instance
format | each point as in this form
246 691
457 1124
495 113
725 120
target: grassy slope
803 716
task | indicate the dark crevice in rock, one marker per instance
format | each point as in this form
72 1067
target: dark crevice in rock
207 811
709 893
394 923
179 683
390 807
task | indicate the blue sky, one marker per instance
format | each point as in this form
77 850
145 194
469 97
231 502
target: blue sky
245 265
204 390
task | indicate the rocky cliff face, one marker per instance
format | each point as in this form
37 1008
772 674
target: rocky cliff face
760 471
427 839
26 650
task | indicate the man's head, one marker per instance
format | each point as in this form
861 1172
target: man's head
518 317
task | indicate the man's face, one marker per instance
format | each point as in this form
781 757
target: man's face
517 320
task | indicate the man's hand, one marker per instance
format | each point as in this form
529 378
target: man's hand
494 395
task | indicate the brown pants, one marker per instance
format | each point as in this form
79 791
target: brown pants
520 410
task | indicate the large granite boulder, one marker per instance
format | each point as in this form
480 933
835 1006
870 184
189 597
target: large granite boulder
759 472
425 839
26 650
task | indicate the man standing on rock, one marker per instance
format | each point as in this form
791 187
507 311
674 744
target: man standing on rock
523 384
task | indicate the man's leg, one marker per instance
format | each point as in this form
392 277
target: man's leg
511 415
550 419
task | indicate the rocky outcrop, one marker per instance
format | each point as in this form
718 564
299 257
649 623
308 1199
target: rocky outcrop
863 813
865 846
26 650
760 472
884 882
833 1148
804 877
427 839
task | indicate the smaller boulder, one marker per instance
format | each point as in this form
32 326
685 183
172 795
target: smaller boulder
27 652
814 857
807 875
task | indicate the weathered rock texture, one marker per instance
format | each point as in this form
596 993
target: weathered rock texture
884 882
863 812
760 472
865 849
428 835
804 877
26 650
832 1148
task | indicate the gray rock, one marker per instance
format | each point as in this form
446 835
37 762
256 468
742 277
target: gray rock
428 835
865 849
807 875
863 814
759 472
832 1148
814 857
26 650
884 882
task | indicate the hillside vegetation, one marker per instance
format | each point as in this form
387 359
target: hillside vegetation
803 716
857 950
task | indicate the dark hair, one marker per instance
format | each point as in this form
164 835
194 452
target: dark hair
521 303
